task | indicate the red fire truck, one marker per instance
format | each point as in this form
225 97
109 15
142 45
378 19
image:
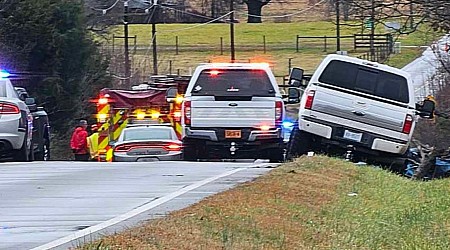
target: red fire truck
145 103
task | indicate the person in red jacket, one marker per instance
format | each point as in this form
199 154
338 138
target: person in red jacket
78 142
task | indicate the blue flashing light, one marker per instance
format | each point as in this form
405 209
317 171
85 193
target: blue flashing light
288 124
4 73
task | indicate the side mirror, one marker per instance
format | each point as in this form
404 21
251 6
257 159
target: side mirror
171 94
426 109
30 101
296 77
293 96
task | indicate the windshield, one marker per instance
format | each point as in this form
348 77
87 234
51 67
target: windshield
233 82
366 79
147 134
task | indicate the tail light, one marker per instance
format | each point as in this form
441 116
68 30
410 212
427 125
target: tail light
165 146
187 112
8 109
173 147
278 111
309 99
264 128
407 125
124 148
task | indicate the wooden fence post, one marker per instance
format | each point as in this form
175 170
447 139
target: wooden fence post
135 43
221 45
264 43
176 45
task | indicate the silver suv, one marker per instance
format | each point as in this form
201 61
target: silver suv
16 124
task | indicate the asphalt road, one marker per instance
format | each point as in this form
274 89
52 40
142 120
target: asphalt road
58 205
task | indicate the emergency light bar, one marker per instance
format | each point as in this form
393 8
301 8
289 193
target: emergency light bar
4 74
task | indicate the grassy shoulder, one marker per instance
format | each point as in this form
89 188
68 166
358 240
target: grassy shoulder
305 204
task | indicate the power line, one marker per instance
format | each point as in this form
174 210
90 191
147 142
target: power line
104 11
107 9
198 25
186 12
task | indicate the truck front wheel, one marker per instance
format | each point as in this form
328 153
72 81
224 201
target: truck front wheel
299 144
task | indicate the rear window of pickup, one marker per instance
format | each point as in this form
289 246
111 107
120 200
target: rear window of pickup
366 79
233 82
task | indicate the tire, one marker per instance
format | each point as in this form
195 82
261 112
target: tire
44 152
189 153
299 143
276 156
189 150
22 155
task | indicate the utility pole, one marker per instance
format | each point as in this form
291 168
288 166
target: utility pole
338 28
233 55
411 13
372 31
154 47
127 55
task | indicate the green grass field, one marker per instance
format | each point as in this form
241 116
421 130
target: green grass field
202 43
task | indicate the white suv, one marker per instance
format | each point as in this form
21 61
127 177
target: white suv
16 124
357 105
233 110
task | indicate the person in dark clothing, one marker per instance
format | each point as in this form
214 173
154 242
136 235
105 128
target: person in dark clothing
78 142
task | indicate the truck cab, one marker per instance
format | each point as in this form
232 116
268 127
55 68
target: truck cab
233 110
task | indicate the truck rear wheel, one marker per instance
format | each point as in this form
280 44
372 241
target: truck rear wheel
276 156
189 150
299 144
189 154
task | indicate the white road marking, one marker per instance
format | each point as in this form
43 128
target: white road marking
87 231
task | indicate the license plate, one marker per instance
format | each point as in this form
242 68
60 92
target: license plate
232 134
352 136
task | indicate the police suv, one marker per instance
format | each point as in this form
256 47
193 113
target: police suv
16 123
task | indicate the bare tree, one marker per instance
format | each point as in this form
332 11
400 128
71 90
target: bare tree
255 10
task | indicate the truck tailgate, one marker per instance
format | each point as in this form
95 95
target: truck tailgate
233 113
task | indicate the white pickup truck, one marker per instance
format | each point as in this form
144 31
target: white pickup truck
356 106
233 110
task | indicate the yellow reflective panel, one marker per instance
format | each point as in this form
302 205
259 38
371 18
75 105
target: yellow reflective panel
179 99
140 115
155 114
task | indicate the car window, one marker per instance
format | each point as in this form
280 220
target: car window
233 82
366 79
147 134
2 88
